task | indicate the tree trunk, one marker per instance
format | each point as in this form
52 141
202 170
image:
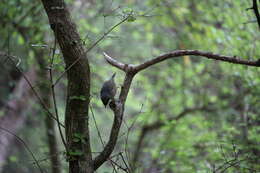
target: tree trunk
78 91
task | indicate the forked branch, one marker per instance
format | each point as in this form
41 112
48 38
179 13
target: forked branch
131 70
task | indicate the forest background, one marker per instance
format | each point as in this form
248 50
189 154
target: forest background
189 113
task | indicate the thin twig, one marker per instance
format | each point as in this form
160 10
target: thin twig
99 135
127 136
91 47
48 157
26 146
119 166
32 88
54 95
122 157
231 164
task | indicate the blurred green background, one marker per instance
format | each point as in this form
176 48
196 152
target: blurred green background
218 103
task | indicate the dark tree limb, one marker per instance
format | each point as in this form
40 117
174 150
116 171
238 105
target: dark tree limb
177 54
255 9
209 55
130 71
116 63
76 115
118 109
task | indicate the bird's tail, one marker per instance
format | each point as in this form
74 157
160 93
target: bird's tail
113 75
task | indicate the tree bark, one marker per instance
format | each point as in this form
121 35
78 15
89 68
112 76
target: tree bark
78 91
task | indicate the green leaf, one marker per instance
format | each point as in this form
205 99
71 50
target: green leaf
81 97
75 153
131 19
13 158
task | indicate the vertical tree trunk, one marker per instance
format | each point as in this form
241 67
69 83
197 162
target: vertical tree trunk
78 91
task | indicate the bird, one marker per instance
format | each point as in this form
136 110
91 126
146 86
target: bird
108 91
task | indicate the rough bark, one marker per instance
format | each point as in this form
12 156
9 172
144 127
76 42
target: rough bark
78 91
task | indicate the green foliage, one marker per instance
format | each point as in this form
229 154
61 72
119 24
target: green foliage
82 98
72 155
200 140
78 138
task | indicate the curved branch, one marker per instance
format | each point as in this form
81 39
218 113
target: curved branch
131 70
209 55
178 53
117 64
113 62
118 109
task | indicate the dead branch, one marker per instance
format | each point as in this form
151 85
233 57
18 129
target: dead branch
180 53
131 70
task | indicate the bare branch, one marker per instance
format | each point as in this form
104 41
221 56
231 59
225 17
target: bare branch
113 62
256 12
130 71
179 53
54 94
209 55
92 46
118 117
26 146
